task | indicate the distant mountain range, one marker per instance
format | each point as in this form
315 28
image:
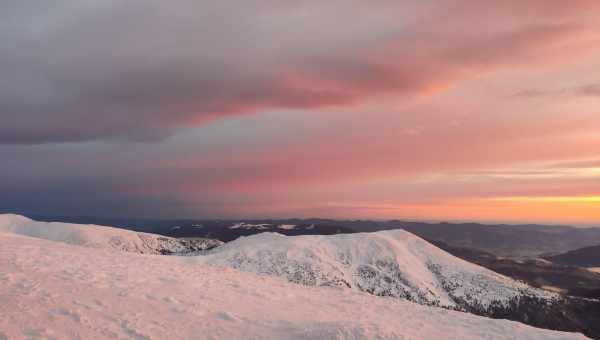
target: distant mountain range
583 257
537 272
229 231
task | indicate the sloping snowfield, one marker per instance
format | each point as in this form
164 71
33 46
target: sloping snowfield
94 236
387 263
53 290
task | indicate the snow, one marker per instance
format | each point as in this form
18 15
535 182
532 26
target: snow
53 290
286 226
262 226
93 236
388 263
243 225
554 289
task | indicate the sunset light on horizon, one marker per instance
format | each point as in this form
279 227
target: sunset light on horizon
448 110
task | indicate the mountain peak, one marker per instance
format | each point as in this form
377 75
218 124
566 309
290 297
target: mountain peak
387 263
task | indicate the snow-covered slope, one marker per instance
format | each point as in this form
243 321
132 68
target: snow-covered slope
52 290
387 263
101 237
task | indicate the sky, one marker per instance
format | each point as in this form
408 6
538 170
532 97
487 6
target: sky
433 110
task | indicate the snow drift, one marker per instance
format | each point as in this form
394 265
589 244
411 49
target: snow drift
58 291
387 263
101 237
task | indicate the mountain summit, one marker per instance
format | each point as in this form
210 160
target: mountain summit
392 263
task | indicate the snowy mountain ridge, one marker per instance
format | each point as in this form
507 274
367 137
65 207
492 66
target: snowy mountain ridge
53 290
102 237
392 263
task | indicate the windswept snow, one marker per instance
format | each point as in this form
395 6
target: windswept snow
262 226
52 290
100 237
243 225
388 263
286 226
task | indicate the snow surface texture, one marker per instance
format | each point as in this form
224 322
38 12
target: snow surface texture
52 290
263 226
388 263
243 225
286 226
101 237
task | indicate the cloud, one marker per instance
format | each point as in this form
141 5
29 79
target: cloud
140 70
587 90
577 164
270 108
